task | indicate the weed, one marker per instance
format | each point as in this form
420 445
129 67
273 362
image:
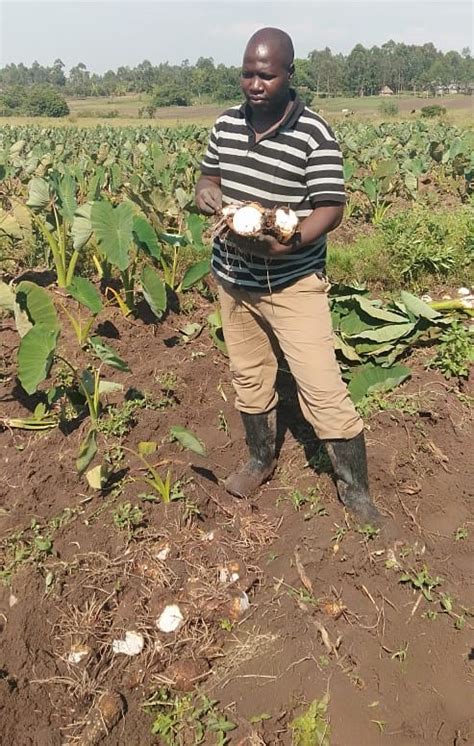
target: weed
461 533
368 531
312 728
455 351
421 581
128 517
339 533
430 614
378 402
311 499
183 719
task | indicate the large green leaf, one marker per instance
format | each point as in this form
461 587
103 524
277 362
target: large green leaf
371 377
187 439
38 193
35 356
66 191
113 228
194 226
107 354
85 293
145 237
385 333
81 229
195 273
154 291
34 305
418 307
380 314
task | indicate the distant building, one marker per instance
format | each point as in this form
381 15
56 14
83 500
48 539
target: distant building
386 91
453 88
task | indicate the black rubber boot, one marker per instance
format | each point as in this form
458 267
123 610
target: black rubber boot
260 431
349 461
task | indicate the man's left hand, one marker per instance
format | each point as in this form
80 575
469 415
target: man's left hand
264 245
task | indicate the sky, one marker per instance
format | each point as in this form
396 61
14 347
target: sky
107 34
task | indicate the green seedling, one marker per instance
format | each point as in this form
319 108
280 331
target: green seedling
187 719
368 531
455 352
310 499
312 728
461 533
421 581
128 517
339 533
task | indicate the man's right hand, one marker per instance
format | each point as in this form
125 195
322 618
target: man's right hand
208 197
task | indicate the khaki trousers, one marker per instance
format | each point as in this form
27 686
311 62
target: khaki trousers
297 321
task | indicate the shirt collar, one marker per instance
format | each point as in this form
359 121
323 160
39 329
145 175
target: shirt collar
291 118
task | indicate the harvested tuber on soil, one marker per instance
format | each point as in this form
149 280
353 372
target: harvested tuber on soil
105 716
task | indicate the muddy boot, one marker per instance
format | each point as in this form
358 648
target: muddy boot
349 461
260 431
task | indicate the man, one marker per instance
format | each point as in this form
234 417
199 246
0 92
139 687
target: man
275 151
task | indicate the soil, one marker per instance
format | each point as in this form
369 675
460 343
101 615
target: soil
328 612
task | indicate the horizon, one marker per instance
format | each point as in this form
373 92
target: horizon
78 40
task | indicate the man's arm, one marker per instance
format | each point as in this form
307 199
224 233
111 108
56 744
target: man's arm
209 194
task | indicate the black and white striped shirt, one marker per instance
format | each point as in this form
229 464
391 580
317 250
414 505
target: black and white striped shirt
298 165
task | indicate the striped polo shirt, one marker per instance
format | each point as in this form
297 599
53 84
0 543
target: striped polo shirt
298 165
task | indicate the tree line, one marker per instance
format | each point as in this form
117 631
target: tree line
364 71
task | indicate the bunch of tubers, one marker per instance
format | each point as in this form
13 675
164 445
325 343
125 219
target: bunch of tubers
252 220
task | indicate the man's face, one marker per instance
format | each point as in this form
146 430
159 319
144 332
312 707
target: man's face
265 79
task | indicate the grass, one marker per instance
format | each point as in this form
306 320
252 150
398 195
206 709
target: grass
409 249
89 112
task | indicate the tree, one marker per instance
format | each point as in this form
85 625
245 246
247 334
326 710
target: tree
45 101
170 94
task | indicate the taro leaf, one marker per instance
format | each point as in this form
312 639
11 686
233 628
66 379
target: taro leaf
182 197
38 193
418 307
195 273
113 228
353 324
340 289
187 439
370 187
147 447
215 330
96 183
370 309
145 237
33 305
7 297
81 229
66 191
385 333
154 291
411 182
85 293
349 170
386 169
374 378
87 451
98 476
346 350
35 356
107 354
194 225
173 239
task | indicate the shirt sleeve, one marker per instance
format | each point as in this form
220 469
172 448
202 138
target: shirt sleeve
324 172
210 163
